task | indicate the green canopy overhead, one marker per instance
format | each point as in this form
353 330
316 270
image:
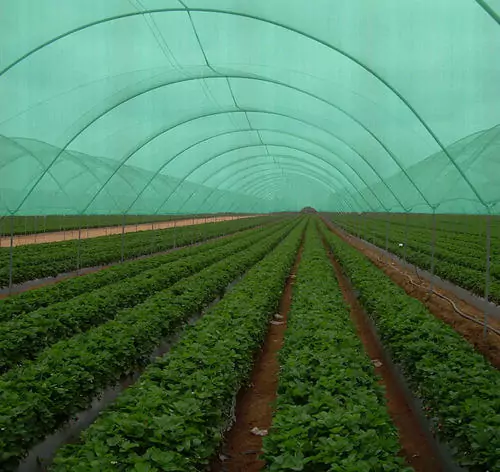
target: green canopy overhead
196 106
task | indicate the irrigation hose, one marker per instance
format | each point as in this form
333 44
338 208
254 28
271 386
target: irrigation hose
454 306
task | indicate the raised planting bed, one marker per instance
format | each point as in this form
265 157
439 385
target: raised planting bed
40 396
174 417
458 387
330 412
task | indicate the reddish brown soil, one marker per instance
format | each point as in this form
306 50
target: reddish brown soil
415 447
21 240
442 309
242 448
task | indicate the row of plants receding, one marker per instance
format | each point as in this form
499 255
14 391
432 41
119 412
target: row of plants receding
40 396
174 417
465 270
36 261
330 412
472 235
31 300
458 252
458 387
26 335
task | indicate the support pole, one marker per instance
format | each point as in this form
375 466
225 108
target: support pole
406 237
175 233
152 237
433 250
11 254
123 240
78 246
387 238
487 275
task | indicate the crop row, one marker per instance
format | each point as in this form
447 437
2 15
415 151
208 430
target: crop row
458 386
464 267
27 334
330 412
47 223
70 288
470 247
35 261
38 397
174 417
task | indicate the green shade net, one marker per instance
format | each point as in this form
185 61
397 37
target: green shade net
197 106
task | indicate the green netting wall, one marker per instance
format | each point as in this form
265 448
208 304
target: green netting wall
186 106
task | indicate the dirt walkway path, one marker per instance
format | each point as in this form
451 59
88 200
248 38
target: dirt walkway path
416 446
435 303
242 448
86 233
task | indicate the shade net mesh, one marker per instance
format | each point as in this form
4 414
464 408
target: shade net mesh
200 106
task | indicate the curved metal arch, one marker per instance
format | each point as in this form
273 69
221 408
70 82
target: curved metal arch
252 165
158 171
275 185
248 110
241 76
238 161
263 179
309 36
287 156
255 184
270 130
489 10
248 179
244 147
23 148
269 180
276 174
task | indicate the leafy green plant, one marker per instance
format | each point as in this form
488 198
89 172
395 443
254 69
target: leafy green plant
25 336
459 387
65 290
50 259
173 418
38 397
330 412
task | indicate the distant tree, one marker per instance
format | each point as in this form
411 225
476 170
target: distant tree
308 210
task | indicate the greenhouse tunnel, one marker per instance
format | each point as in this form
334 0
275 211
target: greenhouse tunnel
206 106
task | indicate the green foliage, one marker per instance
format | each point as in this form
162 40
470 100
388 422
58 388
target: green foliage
174 417
330 413
38 397
35 261
26 335
458 386
460 249
31 300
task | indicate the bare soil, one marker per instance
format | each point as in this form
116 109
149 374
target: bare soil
442 309
86 233
242 448
415 446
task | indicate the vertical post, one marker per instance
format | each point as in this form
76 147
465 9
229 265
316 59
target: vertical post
487 275
152 238
35 226
406 236
11 254
78 246
433 249
175 234
123 239
387 237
